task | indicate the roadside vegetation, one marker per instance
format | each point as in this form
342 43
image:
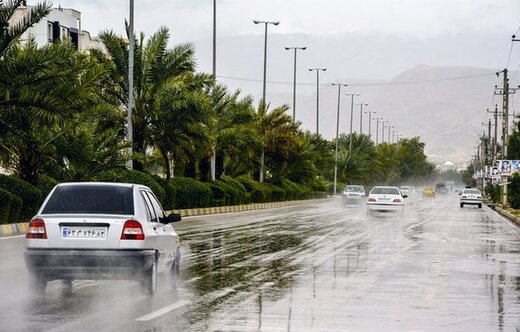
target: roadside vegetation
63 118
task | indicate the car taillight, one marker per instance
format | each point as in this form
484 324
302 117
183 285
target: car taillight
36 230
132 230
397 200
371 199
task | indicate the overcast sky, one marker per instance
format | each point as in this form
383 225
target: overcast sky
192 19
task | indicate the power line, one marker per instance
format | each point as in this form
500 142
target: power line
456 78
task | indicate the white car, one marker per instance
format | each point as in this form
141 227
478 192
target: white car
385 199
405 190
353 194
471 196
96 230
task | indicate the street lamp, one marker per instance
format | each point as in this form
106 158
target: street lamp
339 85
317 70
266 23
361 118
130 163
351 118
389 130
377 128
384 124
370 122
294 80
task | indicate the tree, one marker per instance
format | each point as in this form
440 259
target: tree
11 31
166 87
41 92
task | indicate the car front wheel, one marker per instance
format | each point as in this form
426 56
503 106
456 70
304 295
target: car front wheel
461 205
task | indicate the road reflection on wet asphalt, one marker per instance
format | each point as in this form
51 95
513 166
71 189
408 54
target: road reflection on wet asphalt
315 267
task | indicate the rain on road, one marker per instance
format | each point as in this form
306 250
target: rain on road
316 267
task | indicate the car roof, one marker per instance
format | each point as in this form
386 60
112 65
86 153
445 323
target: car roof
385 187
113 184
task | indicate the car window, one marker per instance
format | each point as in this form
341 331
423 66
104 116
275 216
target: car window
472 191
385 191
155 204
148 207
91 199
354 189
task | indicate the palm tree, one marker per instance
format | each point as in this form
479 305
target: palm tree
11 31
356 165
41 91
165 85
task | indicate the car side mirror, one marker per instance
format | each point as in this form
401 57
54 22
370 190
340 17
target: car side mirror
174 217
460 193
405 196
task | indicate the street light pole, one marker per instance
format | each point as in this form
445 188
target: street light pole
294 79
383 132
130 162
265 53
317 70
389 130
361 118
337 136
370 122
351 119
377 130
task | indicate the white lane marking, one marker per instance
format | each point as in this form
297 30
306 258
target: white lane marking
162 311
11 237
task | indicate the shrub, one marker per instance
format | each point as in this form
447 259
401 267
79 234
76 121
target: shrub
218 195
292 189
5 206
45 183
259 192
514 191
244 197
132 176
15 210
169 192
493 192
277 193
191 193
30 195
231 193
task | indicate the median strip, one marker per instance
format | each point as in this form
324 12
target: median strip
162 311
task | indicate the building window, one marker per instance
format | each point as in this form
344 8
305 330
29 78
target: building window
49 32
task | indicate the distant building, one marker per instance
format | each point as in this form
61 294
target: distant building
61 23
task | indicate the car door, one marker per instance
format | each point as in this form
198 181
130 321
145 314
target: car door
166 237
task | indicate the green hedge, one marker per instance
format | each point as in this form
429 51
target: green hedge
244 196
5 206
259 192
45 183
218 195
170 193
277 193
232 194
30 195
132 176
191 193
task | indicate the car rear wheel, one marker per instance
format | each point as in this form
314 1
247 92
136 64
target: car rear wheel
175 269
38 284
480 206
149 282
461 205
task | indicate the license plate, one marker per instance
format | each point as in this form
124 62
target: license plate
84 232
384 199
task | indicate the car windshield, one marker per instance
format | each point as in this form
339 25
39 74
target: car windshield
405 188
385 191
354 189
91 199
472 191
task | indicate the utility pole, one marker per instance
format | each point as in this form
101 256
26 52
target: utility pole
337 136
317 70
505 131
361 118
130 139
494 148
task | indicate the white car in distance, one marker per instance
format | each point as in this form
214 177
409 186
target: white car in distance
385 199
353 194
471 196
96 230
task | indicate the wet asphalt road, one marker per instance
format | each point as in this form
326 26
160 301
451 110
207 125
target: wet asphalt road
318 267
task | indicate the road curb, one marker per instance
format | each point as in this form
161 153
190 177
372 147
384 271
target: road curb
13 229
508 215
239 208
20 228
